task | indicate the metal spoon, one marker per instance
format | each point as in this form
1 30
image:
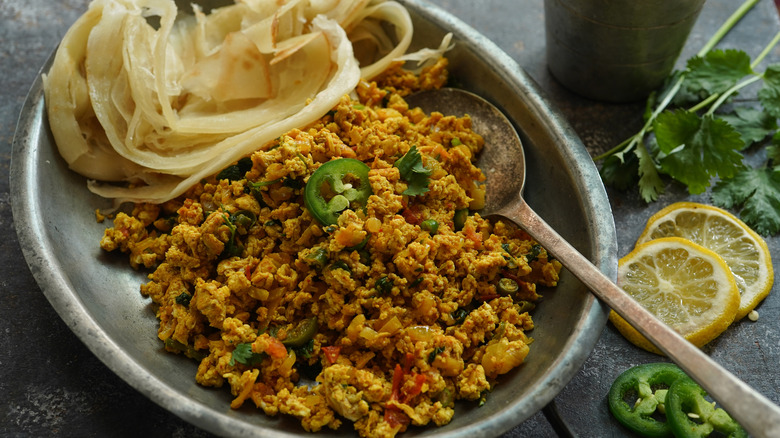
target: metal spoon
504 155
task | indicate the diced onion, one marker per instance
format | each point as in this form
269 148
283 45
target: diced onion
391 326
420 333
368 333
502 356
354 328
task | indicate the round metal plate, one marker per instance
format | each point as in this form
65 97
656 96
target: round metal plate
97 294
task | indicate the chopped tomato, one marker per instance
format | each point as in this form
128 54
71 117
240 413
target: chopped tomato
441 152
398 377
398 380
511 276
331 353
412 215
395 417
408 362
276 349
248 272
419 380
472 235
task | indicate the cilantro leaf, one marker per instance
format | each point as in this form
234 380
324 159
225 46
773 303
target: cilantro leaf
414 172
620 173
752 124
650 184
435 352
769 94
697 149
716 72
773 153
758 191
184 299
306 350
243 354
773 150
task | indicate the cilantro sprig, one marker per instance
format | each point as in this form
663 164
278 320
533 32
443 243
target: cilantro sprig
414 172
688 137
243 354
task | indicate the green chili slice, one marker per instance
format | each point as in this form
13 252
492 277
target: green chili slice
340 264
430 225
525 306
302 333
507 286
459 219
689 414
243 220
638 393
335 186
318 258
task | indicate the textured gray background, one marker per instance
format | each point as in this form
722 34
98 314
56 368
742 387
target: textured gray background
51 385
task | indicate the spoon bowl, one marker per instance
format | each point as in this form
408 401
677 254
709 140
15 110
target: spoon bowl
504 165
503 162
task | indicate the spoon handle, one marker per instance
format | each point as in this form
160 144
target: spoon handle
756 413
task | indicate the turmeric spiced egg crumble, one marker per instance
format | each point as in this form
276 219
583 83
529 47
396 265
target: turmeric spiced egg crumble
342 271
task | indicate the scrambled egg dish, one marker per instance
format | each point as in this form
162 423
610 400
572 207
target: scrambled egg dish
342 271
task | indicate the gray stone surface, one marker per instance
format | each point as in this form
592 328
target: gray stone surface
51 385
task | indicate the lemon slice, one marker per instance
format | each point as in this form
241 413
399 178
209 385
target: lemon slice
744 251
685 285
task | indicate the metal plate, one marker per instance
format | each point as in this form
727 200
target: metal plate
97 295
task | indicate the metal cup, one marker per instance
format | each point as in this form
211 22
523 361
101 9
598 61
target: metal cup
616 50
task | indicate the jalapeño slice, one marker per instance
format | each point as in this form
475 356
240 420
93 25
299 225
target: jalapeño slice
336 186
302 333
690 415
637 395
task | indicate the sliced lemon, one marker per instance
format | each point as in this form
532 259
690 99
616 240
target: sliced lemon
685 285
744 251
